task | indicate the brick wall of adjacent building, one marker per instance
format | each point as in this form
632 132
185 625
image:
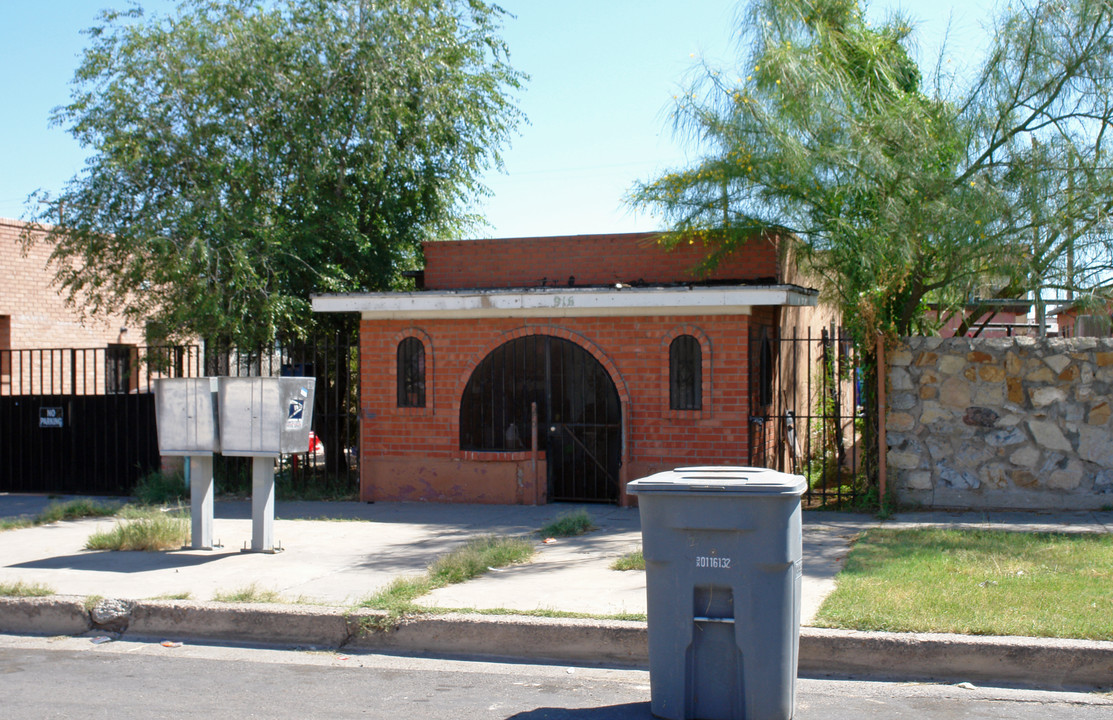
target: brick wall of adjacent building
46 345
38 316
588 260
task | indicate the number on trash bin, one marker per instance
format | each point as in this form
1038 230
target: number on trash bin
721 563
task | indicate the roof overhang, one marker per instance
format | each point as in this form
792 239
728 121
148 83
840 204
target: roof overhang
565 302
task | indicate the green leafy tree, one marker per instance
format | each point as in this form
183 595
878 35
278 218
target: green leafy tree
899 195
246 154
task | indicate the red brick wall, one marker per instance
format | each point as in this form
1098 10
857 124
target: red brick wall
590 259
38 315
414 453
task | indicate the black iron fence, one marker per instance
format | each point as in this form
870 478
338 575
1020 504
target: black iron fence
810 413
82 420
330 464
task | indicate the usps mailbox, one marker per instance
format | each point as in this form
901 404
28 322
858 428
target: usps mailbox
262 418
265 416
186 415
187 419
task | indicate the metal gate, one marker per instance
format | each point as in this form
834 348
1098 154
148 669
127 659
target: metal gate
82 421
329 467
807 411
578 410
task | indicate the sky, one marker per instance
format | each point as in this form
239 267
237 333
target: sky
602 77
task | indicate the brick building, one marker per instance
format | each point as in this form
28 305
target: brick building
35 316
533 370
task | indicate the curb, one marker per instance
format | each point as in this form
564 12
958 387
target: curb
1047 663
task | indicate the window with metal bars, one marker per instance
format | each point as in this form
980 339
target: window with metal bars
411 373
5 344
685 374
119 365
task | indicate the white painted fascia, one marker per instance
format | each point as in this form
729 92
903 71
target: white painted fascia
564 302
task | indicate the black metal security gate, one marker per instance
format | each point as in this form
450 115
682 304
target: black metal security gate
578 410
82 421
807 411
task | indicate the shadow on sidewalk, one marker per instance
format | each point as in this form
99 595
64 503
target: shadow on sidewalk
124 561
628 711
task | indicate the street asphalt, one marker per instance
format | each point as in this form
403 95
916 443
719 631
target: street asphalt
334 554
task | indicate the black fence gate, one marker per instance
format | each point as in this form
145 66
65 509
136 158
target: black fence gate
329 466
808 412
82 421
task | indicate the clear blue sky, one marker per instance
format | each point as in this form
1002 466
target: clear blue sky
603 73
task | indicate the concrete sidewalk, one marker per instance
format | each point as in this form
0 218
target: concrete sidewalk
335 554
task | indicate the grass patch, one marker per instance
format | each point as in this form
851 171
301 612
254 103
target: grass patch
58 511
153 531
633 560
161 488
568 524
75 510
187 595
248 594
22 589
976 582
464 563
472 559
16 523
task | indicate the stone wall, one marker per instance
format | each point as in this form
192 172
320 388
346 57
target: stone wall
1001 423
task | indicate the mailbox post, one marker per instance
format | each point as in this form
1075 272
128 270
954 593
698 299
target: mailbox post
188 425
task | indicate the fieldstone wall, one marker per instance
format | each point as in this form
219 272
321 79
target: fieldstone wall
1002 422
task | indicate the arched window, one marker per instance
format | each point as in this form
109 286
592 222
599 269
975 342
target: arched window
411 373
685 374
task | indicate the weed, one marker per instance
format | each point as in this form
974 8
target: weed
568 524
546 613
473 559
91 602
16 523
22 589
633 560
174 596
464 563
145 512
161 488
248 594
75 510
157 531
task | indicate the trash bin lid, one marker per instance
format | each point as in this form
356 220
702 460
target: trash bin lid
721 479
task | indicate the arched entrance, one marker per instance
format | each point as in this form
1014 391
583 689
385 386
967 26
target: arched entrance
578 411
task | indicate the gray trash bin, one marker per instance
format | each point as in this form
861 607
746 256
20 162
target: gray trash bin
722 552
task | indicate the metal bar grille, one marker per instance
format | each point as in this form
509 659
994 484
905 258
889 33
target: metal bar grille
578 411
808 415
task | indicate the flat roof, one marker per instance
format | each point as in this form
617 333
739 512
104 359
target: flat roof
566 302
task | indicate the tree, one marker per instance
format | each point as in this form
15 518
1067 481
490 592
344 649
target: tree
902 195
247 154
